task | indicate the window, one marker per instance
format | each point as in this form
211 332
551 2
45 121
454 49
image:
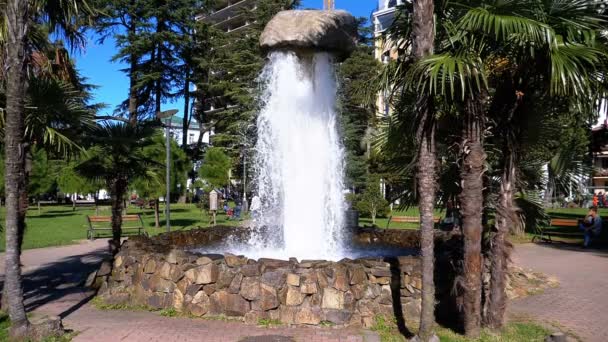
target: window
604 163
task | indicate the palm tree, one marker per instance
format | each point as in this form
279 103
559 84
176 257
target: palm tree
505 46
539 46
18 19
423 33
117 158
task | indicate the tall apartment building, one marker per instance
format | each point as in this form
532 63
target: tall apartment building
227 15
384 49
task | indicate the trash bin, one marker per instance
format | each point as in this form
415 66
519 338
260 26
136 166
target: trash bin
351 219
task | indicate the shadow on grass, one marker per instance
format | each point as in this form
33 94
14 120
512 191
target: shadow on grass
61 281
48 215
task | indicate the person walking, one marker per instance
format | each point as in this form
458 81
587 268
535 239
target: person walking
256 206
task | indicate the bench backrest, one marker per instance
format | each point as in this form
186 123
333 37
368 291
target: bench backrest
564 222
107 219
411 219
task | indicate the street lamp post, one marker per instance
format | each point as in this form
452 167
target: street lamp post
167 116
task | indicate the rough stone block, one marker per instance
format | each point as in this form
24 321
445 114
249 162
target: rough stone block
175 256
268 299
250 270
150 266
205 274
308 316
225 277
275 279
293 279
235 285
250 288
293 296
332 299
287 314
229 304
341 279
203 260
339 317
105 269
178 300
357 275
234 261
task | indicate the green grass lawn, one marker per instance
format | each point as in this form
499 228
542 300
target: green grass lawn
382 221
59 225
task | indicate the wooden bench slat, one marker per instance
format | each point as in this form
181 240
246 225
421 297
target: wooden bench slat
409 219
564 222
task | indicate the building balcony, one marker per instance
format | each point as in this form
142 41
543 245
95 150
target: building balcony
600 172
228 9
386 5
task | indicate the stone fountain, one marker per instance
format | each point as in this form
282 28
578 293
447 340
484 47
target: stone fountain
315 275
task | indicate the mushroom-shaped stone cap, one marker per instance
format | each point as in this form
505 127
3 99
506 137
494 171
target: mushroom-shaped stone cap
332 31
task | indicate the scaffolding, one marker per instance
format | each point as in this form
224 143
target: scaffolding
329 4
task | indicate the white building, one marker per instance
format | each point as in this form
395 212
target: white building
384 49
193 133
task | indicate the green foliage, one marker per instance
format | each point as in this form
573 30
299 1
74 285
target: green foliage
514 332
372 202
387 329
267 322
70 181
357 109
44 173
235 61
117 153
152 184
215 168
169 312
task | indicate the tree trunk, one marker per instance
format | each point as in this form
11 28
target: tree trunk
156 213
186 120
16 21
118 188
133 105
501 248
471 200
423 40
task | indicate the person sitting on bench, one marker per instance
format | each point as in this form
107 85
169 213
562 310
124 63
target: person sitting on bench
591 226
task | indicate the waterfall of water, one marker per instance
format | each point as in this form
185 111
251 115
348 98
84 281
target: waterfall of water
299 159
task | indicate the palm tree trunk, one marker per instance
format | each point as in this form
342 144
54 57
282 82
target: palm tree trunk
156 213
501 248
16 20
471 199
132 78
118 187
424 39
186 119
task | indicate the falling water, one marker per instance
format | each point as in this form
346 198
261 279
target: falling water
299 162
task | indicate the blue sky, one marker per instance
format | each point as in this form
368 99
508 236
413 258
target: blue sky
94 63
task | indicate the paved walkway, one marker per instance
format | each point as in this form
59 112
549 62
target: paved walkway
580 303
52 282
53 278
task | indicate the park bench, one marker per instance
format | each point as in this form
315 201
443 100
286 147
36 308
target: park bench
104 223
408 219
85 204
555 222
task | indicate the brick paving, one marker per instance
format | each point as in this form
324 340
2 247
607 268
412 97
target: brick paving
53 278
580 303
